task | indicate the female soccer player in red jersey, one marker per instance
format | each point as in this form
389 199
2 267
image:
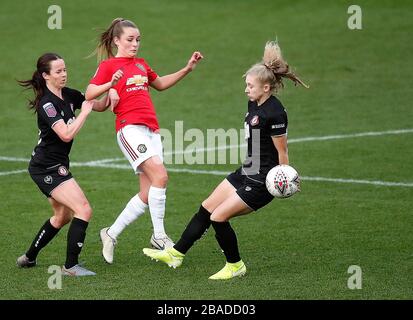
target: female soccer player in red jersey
136 125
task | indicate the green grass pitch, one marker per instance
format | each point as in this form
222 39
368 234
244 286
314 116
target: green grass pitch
299 248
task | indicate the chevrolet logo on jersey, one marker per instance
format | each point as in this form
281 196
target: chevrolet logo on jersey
137 80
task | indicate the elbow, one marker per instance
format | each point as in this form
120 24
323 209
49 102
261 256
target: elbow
66 139
88 95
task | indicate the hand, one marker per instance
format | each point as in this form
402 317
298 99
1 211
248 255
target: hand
195 58
87 106
116 76
113 98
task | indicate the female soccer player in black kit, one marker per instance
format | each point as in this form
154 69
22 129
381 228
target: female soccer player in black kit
244 190
55 106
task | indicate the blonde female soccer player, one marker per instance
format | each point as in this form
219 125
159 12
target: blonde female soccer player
244 190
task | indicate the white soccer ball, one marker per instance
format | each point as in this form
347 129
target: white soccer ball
282 181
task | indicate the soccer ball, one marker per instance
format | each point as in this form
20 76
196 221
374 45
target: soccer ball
282 181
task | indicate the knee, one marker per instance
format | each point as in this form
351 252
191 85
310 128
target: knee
85 211
60 221
208 206
217 218
161 180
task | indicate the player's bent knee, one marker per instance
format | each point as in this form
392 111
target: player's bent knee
85 212
208 206
61 221
161 180
217 218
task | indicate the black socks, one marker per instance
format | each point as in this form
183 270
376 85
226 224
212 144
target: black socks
75 238
227 240
46 233
198 225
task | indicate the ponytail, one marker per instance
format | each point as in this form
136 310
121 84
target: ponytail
37 82
273 68
105 42
274 61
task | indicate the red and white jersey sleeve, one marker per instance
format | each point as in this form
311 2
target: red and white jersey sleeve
103 74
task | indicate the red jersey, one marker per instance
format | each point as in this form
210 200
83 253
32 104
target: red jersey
135 105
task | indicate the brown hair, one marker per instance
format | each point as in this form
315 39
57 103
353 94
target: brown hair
105 43
273 68
37 82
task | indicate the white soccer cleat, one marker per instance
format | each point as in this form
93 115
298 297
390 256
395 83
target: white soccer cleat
161 243
108 245
77 271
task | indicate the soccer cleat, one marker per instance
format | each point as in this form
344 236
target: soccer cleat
231 270
24 262
161 243
170 256
108 245
77 271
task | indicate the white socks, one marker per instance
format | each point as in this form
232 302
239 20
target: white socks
156 200
133 210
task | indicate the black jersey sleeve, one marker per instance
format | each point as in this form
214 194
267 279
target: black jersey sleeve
278 123
49 113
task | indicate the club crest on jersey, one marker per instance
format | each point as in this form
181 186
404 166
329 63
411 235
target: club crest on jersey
141 67
48 179
255 120
50 110
62 171
137 80
142 148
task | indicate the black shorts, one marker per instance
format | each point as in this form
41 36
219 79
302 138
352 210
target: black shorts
47 179
251 189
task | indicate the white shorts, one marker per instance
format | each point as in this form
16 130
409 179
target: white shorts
139 143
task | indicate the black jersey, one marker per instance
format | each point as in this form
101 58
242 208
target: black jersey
51 150
261 123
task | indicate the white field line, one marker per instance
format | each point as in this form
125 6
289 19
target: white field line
7 173
224 173
108 163
232 146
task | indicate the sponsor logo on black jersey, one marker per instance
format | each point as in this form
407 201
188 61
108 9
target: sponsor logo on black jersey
62 170
278 126
142 148
48 179
255 120
50 110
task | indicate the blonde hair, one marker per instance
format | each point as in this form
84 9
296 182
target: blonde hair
105 43
273 68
